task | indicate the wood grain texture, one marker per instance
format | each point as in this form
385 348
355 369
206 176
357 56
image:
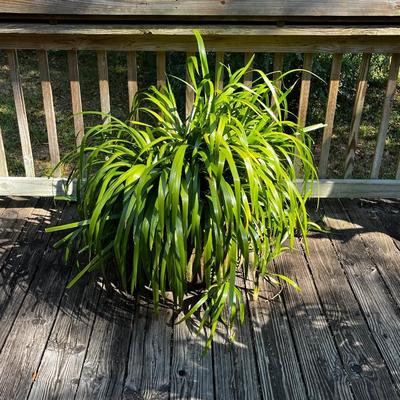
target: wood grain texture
264 38
20 109
379 308
102 67
362 85
366 370
278 68
238 360
189 93
303 100
161 69
202 8
149 358
330 114
3 158
60 368
102 375
191 369
20 258
32 325
73 70
132 77
277 360
387 108
319 358
14 215
378 243
49 110
305 89
248 76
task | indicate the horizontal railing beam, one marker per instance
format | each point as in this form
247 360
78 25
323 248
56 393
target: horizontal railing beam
225 38
326 188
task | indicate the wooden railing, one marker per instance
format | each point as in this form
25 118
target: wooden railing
219 39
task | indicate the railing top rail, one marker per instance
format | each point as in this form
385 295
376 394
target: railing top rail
204 8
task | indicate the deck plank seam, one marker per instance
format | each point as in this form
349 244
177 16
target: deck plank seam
295 345
30 282
55 315
87 346
372 259
328 322
361 308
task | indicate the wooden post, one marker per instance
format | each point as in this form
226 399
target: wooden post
21 113
132 77
356 117
3 159
387 108
330 114
304 96
161 69
103 84
49 109
76 95
248 76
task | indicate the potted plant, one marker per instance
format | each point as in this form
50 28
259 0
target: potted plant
176 204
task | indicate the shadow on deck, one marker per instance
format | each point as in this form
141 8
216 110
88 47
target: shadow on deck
337 339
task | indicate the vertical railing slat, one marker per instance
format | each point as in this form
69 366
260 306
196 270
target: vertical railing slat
278 68
189 91
305 89
161 68
248 76
356 117
132 77
102 66
76 100
304 97
21 113
3 159
219 59
387 108
49 113
330 114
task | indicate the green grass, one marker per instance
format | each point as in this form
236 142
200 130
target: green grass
176 66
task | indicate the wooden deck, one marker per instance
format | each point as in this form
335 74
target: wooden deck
338 339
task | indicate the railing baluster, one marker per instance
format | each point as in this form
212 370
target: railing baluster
21 113
304 96
356 117
49 109
76 99
330 114
219 59
189 92
248 76
132 77
3 159
305 89
161 69
387 108
102 66
278 68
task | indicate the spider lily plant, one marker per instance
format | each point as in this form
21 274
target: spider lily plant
171 203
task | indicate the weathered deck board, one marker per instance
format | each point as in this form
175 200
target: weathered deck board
319 358
363 363
23 349
379 308
280 374
338 338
